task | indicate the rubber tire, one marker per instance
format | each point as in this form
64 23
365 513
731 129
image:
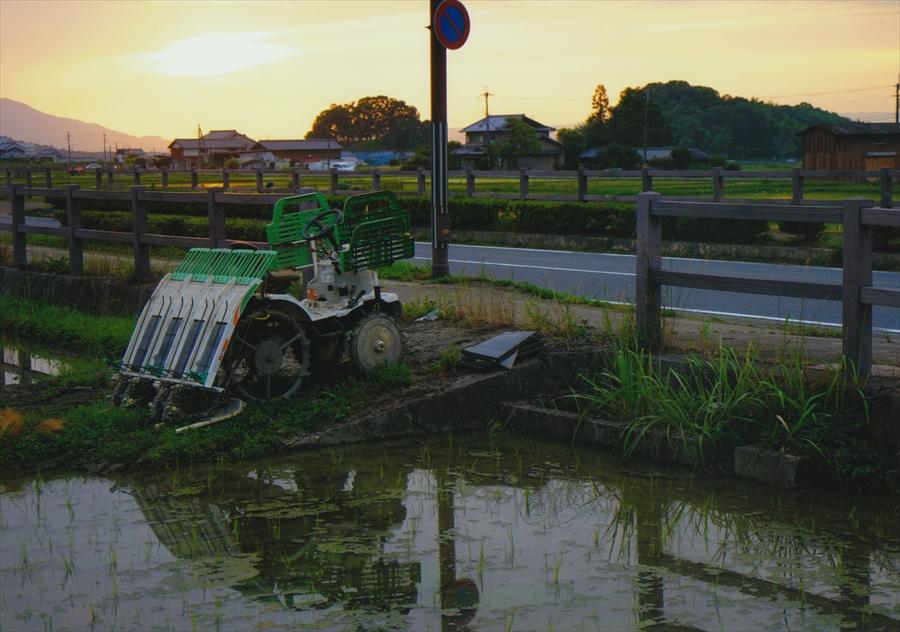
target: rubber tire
362 345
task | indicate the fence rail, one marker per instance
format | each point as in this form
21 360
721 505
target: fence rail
856 292
106 179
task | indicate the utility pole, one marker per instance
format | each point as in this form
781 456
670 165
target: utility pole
104 147
487 122
646 110
897 100
69 147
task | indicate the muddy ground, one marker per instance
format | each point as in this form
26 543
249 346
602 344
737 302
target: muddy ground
426 344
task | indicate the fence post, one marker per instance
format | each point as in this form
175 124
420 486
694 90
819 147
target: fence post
376 180
28 178
73 221
216 213
139 228
259 181
647 261
334 181
226 179
718 184
857 317
165 179
646 180
582 185
20 258
470 183
796 187
109 178
420 181
98 178
137 177
195 181
8 177
523 184
295 178
48 178
886 197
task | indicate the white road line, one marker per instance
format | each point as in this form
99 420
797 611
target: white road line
520 265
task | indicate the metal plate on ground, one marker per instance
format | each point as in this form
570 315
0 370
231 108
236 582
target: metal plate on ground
503 350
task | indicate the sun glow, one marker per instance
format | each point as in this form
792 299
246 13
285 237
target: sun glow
215 54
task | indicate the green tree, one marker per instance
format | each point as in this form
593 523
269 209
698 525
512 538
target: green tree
518 141
574 142
634 113
378 120
232 163
599 105
335 122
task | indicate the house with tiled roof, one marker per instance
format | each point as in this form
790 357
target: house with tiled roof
210 150
493 129
300 151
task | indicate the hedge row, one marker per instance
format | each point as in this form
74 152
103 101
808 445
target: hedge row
604 219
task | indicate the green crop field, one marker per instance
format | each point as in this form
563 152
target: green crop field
814 189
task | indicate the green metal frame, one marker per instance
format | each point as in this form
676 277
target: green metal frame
374 225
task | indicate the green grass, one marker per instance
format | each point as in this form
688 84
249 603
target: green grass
410 272
711 405
102 433
65 329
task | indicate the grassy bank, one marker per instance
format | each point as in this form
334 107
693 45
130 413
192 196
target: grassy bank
65 329
712 405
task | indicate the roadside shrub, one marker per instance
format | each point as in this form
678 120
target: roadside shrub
807 231
601 219
235 227
718 231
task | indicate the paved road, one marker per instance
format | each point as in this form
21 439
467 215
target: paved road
5 218
611 277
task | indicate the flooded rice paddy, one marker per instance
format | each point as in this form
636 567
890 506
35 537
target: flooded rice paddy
495 533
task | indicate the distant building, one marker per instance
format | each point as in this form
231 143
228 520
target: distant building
661 153
493 129
123 152
12 151
300 151
210 150
851 146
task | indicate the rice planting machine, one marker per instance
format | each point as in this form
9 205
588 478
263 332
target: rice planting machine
225 318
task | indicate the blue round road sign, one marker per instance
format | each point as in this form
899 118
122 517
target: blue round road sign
451 24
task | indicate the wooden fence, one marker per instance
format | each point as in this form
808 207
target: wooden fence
857 216
856 293
377 179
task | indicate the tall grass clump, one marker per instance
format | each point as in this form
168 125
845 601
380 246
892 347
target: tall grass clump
706 407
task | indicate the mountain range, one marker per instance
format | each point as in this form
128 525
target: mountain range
21 121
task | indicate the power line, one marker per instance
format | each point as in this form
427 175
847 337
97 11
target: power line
819 94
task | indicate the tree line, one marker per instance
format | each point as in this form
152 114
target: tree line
674 113
679 114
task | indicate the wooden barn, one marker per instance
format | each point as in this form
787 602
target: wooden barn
851 146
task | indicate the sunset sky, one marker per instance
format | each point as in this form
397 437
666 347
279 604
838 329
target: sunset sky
267 68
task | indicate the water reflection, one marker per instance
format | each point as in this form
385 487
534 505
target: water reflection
444 537
18 365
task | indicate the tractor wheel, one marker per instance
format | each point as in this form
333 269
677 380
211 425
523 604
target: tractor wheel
375 341
271 354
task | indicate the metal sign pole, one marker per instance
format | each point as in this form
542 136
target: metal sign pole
440 218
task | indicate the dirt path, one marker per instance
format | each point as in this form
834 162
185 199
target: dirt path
487 304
